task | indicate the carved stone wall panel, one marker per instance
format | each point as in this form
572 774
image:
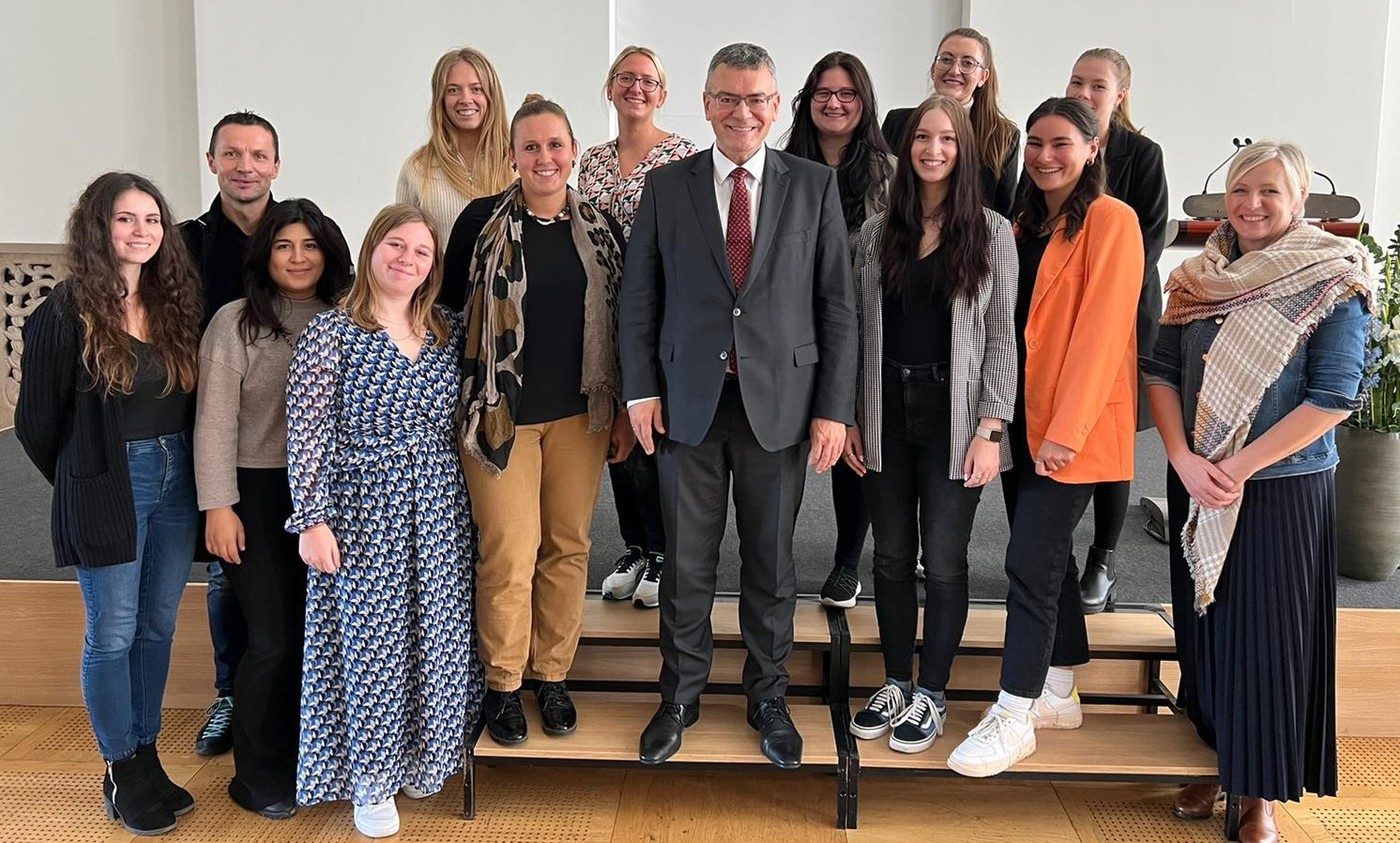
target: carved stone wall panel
27 274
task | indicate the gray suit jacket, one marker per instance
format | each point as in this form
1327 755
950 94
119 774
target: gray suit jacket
983 370
793 324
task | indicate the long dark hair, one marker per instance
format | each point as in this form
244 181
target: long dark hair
260 312
1030 211
963 238
864 169
169 290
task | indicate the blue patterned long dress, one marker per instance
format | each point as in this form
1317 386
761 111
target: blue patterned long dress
391 679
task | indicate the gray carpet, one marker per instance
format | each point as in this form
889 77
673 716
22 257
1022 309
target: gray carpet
25 552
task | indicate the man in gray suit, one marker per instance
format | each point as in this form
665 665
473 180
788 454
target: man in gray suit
738 336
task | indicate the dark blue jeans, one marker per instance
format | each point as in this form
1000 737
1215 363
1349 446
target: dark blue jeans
228 631
131 607
914 504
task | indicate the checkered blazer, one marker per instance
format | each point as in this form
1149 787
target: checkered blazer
983 369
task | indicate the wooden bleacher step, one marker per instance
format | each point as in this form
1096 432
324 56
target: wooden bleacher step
619 624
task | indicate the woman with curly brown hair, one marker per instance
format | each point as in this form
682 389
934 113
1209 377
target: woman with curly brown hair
105 412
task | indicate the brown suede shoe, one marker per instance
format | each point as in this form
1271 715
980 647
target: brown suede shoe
1257 821
1196 801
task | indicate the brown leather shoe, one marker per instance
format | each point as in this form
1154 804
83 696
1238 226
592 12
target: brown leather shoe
1257 821
1196 801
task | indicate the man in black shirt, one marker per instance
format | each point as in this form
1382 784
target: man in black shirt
243 153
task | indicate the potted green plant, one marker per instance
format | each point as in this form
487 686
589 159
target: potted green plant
1368 541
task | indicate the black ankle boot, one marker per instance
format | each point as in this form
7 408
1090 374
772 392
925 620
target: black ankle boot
176 798
132 797
1096 586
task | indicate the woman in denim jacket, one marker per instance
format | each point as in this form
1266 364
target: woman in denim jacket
1259 357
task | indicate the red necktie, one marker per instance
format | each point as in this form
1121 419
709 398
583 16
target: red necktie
738 241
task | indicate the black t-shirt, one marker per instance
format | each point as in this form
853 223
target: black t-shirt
920 331
1029 251
146 413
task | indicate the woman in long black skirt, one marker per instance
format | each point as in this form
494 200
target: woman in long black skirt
1259 357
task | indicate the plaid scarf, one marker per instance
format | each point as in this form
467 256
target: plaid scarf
1278 295
492 365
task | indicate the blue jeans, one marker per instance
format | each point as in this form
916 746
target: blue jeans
131 607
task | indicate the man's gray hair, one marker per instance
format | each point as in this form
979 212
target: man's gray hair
744 56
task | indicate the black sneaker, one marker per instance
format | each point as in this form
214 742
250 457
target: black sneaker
648 593
505 717
627 572
916 727
884 706
217 735
557 712
841 588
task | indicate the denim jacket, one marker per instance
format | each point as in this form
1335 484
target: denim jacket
1325 372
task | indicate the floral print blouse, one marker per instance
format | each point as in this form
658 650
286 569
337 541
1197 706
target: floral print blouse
601 182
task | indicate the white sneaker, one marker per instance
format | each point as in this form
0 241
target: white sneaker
916 727
1052 712
414 793
648 593
622 582
883 707
1000 740
378 820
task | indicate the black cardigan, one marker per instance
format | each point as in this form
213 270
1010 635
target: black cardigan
1137 176
998 192
73 435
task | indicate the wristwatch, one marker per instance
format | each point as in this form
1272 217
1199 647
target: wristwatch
991 435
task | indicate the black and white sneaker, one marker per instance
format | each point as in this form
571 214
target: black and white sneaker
648 593
621 584
841 588
874 720
916 727
216 737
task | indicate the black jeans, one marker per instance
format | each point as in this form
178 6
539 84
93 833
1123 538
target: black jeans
852 515
271 586
637 496
1044 618
913 504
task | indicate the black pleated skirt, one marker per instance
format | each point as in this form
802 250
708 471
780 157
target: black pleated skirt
1258 670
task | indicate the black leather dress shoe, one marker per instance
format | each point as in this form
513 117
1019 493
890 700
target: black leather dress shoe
557 712
505 718
245 799
779 740
662 736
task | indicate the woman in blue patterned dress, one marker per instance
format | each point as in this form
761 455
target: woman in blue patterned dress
390 680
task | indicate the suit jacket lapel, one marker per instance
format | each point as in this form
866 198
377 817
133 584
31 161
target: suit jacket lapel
770 210
702 197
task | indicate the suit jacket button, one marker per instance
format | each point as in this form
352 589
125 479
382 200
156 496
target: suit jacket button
724 355
737 311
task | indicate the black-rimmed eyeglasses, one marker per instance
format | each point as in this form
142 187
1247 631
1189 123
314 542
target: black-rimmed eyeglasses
627 80
842 95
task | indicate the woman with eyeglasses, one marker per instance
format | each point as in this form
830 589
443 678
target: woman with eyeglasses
833 122
1102 78
611 176
964 70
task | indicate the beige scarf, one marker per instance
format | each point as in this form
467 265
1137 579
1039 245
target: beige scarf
1277 296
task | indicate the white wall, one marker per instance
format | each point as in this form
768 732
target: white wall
1385 212
896 40
88 87
347 84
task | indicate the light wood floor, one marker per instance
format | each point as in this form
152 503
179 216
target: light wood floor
50 790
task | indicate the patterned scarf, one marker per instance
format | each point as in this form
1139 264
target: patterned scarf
492 364
1278 295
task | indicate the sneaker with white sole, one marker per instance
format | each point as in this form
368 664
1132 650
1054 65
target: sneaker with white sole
841 588
880 710
648 594
1000 740
1052 712
414 793
621 584
378 820
915 729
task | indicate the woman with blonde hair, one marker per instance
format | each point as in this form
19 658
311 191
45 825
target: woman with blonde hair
465 154
611 176
105 411
1259 357
389 681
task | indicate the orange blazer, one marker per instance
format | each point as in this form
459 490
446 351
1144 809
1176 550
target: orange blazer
1081 344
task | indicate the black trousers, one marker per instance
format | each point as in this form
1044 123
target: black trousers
695 483
914 504
852 515
271 587
1044 618
637 497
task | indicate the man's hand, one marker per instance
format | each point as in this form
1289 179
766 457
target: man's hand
646 417
828 439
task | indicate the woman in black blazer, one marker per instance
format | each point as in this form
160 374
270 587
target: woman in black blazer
1136 175
105 412
964 70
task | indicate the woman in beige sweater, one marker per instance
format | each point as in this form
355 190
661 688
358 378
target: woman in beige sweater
297 264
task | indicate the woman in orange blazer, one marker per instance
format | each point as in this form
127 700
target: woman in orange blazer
1081 264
